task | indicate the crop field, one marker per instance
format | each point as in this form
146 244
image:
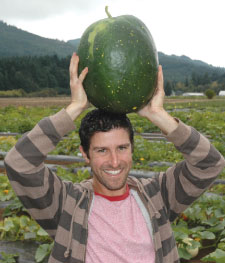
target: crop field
35 102
199 231
63 101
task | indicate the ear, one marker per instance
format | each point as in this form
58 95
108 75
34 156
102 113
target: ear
84 154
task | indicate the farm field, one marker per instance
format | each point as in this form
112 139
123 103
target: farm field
63 101
35 102
203 223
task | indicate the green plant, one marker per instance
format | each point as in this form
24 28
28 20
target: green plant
6 143
9 258
122 63
70 176
13 93
6 192
147 151
25 126
14 208
68 146
43 251
210 93
22 228
217 256
204 223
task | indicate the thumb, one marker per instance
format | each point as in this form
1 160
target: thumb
159 86
83 74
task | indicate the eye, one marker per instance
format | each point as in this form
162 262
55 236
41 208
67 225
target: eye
103 150
123 147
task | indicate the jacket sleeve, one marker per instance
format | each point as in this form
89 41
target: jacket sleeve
183 183
38 188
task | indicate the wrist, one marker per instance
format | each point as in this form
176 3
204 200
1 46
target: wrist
163 120
74 110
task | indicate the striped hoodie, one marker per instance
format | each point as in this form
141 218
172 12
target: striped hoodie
62 207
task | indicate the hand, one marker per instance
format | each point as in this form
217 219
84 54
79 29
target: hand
156 103
79 100
154 110
78 95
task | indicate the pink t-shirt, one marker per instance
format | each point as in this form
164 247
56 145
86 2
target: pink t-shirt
117 232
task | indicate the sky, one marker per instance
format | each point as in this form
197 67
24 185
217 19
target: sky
194 28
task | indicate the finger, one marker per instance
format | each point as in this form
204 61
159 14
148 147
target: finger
83 74
160 78
74 65
159 85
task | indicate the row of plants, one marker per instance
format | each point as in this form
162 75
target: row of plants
15 93
16 224
23 118
200 230
145 152
209 121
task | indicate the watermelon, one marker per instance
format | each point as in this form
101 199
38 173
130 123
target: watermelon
122 63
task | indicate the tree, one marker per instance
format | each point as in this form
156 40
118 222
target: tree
168 88
210 93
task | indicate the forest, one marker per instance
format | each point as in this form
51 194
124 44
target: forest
48 76
31 65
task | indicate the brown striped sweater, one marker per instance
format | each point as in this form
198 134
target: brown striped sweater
62 207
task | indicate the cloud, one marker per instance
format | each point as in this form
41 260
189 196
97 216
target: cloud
40 9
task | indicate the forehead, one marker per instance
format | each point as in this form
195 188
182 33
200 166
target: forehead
113 137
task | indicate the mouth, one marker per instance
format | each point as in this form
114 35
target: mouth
113 172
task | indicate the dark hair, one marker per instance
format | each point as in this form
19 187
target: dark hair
101 121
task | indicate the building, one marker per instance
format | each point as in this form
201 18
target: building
222 93
193 94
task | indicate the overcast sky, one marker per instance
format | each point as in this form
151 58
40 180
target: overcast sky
194 28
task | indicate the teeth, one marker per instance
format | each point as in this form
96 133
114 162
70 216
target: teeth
114 172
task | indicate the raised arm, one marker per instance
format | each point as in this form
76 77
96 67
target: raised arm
154 110
183 183
39 189
79 101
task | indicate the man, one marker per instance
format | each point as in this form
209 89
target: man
113 217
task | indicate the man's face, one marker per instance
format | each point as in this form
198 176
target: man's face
110 158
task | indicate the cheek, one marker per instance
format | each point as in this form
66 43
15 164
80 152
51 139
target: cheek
127 158
97 162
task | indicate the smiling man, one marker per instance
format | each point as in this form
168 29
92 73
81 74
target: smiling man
113 217
107 145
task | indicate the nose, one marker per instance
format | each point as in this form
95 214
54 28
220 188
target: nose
114 159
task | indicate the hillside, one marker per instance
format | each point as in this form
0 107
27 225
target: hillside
180 68
17 42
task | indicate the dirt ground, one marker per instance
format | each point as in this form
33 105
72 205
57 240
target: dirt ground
41 102
64 101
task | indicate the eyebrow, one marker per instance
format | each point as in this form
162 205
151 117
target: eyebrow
104 147
125 145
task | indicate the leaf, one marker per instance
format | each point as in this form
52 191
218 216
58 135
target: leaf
8 258
219 227
30 235
223 233
42 232
42 252
197 229
24 221
207 235
221 246
8 224
183 253
218 256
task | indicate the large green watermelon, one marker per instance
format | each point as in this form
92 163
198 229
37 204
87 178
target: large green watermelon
122 63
